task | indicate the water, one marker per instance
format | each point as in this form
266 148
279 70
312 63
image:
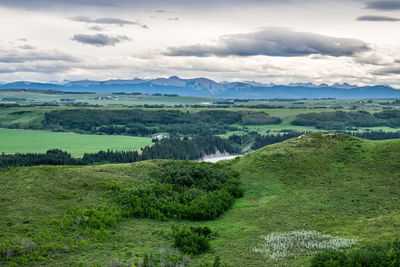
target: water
214 159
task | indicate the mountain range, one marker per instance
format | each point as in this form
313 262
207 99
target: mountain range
204 87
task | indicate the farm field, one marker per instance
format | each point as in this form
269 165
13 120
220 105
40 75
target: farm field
24 96
31 117
35 141
334 184
28 115
114 130
38 137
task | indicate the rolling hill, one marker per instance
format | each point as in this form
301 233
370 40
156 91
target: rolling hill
331 183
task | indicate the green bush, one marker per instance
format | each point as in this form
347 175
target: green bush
193 240
91 223
370 256
182 190
24 251
205 176
160 201
100 218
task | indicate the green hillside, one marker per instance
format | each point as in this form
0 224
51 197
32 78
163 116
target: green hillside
330 183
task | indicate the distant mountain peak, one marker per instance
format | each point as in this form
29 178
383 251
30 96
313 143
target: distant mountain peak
344 85
205 87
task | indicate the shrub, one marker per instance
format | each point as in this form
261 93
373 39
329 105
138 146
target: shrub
90 222
193 240
18 252
374 255
163 260
205 176
182 190
100 218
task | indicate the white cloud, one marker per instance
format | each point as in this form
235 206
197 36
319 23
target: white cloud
326 44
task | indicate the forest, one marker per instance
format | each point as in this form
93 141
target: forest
341 120
139 122
168 148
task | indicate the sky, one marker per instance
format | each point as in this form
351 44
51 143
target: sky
269 41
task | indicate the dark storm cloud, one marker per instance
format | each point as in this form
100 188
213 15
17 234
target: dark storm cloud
384 5
14 57
108 21
388 71
274 42
99 39
377 18
375 59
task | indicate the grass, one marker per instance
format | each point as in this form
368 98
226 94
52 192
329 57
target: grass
334 184
33 141
345 187
26 117
39 97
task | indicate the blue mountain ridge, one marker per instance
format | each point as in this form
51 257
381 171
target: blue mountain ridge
204 87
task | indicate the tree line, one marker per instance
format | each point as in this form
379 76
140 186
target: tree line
168 148
139 122
375 135
340 120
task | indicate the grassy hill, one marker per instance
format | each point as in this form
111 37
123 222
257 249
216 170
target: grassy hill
330 183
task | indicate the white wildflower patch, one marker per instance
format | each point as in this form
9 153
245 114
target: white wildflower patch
277 246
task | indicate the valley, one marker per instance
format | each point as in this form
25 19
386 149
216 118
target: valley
199 133
330 183
104 184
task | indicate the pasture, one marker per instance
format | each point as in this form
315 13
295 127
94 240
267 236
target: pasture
33 141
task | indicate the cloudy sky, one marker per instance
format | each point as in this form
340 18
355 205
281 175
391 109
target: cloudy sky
278 41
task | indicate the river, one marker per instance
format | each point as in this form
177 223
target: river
216 158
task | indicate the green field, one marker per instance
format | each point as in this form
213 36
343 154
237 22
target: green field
30 117
109 99
33 141
335 184
100 99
